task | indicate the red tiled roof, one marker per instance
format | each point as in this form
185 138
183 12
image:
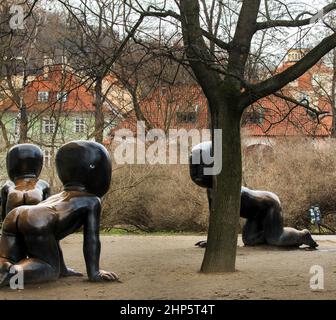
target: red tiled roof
286 119
161 106
79 98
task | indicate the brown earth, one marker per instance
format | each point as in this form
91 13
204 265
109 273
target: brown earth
166 267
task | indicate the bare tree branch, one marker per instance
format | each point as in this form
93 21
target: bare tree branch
294 23
271 85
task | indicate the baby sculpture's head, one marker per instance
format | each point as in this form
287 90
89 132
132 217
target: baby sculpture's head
196 164
85 164
24 161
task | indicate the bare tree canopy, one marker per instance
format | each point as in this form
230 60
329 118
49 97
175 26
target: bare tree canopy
219 39
232 47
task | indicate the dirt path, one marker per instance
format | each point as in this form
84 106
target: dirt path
159 267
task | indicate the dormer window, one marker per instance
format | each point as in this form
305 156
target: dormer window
43 96
253 115
186 117
62 96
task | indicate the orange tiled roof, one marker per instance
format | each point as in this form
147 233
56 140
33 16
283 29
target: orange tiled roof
79 98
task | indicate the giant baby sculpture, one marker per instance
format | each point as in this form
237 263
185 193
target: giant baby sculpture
261 209
24 164
30 234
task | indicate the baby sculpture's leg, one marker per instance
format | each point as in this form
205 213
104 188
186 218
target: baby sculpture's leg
12 247
43 263
253 233
11 252
277 235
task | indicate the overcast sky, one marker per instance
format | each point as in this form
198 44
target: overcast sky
286 37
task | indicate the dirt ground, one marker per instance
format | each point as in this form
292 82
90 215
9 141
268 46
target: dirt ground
166 267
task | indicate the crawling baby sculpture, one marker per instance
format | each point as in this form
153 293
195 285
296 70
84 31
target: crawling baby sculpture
261 209
30 234
24 164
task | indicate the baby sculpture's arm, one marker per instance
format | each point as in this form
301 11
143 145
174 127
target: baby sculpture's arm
4 195
44 185
91 246
65 271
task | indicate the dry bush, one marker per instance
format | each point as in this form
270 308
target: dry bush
163 198
301 174
155 198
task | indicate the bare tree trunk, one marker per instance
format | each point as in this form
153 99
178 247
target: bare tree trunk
52 178
4 134
99 113
138 112
333 96
220 254
23 123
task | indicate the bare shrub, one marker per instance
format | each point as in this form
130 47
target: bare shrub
163 197
155 198
301 172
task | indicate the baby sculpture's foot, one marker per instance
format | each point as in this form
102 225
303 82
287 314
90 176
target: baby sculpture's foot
5 274
308 239
201 244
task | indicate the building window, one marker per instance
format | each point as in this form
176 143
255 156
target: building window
43 96
79 125
47 157
253 116
164 90
62 96
48 125
186 117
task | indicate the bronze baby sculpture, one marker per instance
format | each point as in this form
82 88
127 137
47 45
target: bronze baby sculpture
30 234
261 209
24 164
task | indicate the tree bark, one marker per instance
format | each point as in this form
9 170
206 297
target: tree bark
333 96
4 134
99 113
23 124
220 254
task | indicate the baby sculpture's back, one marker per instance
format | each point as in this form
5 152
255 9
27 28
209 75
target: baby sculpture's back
69 209
25 192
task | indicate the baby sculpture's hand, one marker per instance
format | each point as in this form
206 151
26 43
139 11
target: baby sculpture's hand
201 244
